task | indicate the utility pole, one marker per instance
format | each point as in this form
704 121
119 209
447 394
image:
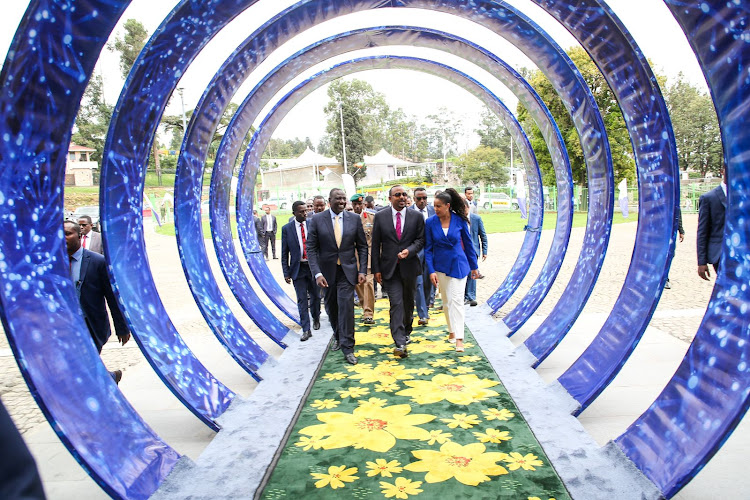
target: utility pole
184 119
445 163
343 137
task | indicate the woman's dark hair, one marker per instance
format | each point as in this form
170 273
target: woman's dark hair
451 197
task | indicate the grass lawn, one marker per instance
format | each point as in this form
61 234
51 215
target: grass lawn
494 222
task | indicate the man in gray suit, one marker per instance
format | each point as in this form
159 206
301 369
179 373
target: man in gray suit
90 240
334 236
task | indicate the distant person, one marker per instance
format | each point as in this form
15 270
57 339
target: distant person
88 270
19 477
681 234
366 290
309 207
269 227
90 240
319 204
479 241
337 251
469 193
712 208
296 268
260 233
397 239
450 257
424 294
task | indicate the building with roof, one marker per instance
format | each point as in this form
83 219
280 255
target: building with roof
292 179
384 167
79 169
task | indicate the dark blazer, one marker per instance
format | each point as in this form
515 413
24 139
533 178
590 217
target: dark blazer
453 254
259 230
93 289
478 234
322 252
290 255
264 223
19 478
430 212
711 209
386 246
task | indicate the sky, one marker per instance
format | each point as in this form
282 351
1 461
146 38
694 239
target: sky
649 21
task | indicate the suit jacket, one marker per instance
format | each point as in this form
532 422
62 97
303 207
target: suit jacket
478 234
264 223
259 229
19 477
430 212
290 254
94 242
386 246
452 254
711 209
322 252
93 289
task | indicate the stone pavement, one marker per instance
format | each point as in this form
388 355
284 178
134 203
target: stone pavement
675 322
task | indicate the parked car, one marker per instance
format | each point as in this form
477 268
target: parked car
91 211
275 204
497 201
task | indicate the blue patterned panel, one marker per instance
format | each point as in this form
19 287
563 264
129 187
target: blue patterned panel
645 113
152 80
42 81
708 395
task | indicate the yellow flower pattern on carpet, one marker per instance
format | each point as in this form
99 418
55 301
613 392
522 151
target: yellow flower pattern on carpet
336 477
460 390
469 464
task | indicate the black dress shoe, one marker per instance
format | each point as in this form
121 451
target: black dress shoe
316 324
423 322
336 345
408 340
400 351
472 303
351 359
306 336
117 375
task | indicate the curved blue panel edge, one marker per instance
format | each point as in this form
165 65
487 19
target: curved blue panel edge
151 81
645 112
709 393
39 307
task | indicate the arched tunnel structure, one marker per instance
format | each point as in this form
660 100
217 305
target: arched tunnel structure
46 72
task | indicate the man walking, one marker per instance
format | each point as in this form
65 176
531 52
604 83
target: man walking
478 239
712 208
425 291
90 240
337 252
296 268
269 228
366 291
397 238
469 194
260 233
88 270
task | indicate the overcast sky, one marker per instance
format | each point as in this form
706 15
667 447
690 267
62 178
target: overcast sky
649 21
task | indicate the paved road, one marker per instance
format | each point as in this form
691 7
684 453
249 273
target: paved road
679 311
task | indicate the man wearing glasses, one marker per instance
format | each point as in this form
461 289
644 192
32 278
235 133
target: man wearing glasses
90 240
425 292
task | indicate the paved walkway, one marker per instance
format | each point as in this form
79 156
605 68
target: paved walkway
675 322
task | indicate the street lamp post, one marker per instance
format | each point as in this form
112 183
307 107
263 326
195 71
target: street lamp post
184 119
343 137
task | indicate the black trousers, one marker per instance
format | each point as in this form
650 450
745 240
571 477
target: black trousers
339 303
400 292
308 300
269 237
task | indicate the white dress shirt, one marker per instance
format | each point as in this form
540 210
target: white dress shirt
423 211
297 225
393 216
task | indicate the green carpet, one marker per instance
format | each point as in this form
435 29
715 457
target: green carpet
438 424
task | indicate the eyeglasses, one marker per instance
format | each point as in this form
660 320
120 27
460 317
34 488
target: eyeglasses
399 195
84 225
420 198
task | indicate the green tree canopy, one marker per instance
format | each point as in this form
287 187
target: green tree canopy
129 44
483 165
92 121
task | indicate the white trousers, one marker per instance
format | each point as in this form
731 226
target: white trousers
452 292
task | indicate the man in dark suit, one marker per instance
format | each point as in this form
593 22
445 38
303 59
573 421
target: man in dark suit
296 268
88 270
397 238
425 292
90 240
335 234
268 222
712 207
19 477
479 240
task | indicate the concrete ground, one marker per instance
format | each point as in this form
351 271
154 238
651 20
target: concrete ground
652 364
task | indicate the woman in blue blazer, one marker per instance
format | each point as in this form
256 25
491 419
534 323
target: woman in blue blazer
450 256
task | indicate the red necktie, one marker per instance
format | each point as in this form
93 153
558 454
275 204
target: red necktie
304 242
83 244
398 225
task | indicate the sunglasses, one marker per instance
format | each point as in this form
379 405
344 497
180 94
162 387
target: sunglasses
398 195
421 198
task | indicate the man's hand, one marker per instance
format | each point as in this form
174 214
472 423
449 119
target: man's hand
475 274
123 339
379 278
682 237
403 253
321 281
287 279
361 278
484 257
703 272
433 278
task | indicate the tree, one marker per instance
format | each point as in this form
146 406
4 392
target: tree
92 121
696 128
129 45
492 133
483 165
446 127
